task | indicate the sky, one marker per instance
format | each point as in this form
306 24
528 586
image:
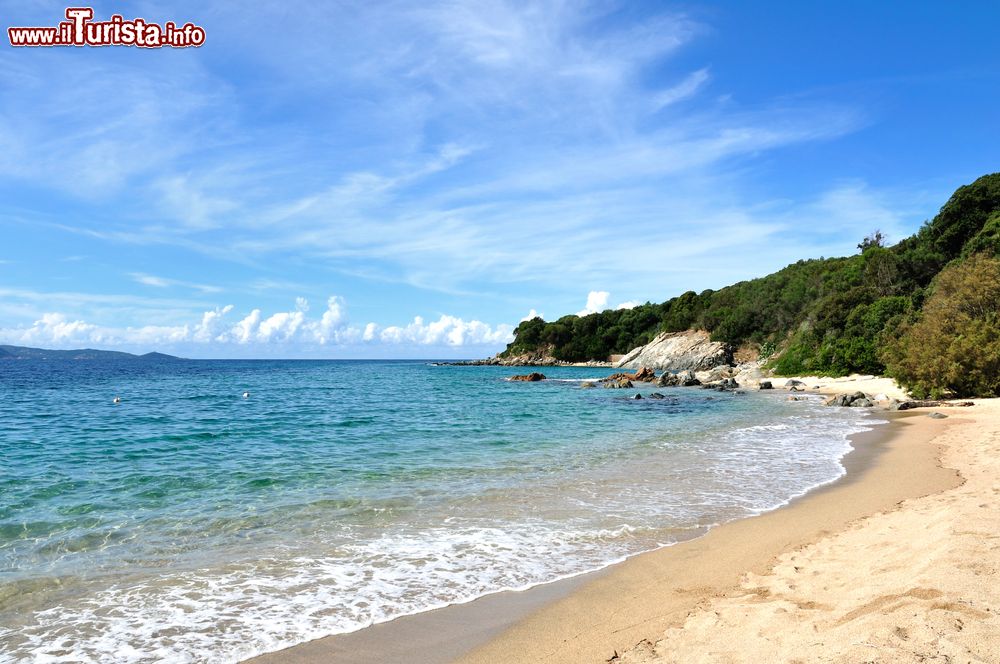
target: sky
382 179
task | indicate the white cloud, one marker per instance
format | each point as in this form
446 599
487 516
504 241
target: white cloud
163 282
551 124
211 326
548 103
280 329
686 88
448 331
596 301
532 314
150 280
243 332
628 304
57 329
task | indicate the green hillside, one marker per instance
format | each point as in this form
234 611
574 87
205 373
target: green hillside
865 313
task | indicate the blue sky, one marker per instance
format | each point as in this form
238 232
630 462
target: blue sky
413 179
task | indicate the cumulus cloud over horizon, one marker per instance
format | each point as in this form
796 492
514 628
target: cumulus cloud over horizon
597 301
219 327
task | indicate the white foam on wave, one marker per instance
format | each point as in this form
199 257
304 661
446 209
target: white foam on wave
271 604
228 614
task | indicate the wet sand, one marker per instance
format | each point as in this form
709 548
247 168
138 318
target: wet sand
640 599
591 617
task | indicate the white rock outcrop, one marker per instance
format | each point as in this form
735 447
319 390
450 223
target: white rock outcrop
679 351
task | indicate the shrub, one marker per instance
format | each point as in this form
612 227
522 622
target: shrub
953 348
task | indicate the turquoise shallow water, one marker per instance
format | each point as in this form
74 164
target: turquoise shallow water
190 524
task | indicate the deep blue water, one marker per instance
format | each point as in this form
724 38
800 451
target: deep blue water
188 523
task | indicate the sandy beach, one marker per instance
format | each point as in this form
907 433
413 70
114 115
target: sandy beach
900 564
895 562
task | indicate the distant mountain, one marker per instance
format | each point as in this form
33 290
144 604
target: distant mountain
25 353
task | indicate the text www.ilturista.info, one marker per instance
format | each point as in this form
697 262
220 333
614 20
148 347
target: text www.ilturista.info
80 30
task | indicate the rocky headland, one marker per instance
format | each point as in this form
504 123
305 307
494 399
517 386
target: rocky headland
679 351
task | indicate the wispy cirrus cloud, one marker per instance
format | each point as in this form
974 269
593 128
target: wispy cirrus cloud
164 282
530 151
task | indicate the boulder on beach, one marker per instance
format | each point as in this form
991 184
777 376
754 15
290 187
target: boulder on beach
533 377
909 405
750 374
856 400
792 383
765 385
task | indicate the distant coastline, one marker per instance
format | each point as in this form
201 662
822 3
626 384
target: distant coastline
28 353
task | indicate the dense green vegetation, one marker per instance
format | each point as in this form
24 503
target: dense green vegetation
953 347
828 316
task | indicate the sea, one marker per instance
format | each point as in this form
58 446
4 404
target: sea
192 523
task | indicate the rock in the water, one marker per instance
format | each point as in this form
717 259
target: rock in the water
840 400
765 385
645 374
679 351
587 385
657 395
619 384
691 382
863 402
533 377
637 396
937 416
794 398
719 373
724 385
667 379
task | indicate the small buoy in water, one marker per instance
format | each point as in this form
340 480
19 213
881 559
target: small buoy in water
246 395
116 400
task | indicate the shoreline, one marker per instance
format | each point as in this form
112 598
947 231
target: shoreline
637 600
473 630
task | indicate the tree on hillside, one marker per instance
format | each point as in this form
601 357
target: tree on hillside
953 349
874 239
